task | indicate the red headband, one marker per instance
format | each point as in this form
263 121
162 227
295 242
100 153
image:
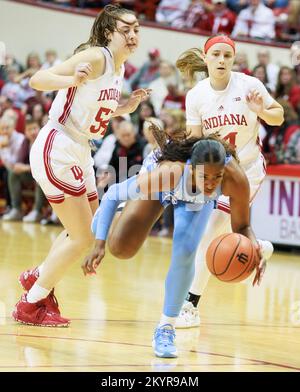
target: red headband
220 39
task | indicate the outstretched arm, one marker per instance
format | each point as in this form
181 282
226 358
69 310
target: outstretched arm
163 178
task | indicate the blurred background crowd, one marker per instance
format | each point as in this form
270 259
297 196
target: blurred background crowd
272 20
23 111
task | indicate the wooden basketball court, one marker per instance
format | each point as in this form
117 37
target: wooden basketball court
114 315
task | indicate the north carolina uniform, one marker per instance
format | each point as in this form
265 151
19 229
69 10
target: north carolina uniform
60 157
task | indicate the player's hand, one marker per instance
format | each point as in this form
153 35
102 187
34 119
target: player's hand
260 266
136 97
81 74
255 101
92 261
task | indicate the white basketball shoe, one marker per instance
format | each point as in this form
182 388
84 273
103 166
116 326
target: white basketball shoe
188 317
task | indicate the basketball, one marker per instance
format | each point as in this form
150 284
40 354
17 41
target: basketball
231 257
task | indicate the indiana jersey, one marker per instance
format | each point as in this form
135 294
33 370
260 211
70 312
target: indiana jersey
86 110
227 112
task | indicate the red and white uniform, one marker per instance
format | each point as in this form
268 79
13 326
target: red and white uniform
60 157
227 112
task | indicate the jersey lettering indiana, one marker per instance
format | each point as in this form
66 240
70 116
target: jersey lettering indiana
86 110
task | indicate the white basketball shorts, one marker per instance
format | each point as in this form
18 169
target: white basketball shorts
61 166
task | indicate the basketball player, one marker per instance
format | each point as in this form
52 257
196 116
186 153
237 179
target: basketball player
232 104
89 85
193 192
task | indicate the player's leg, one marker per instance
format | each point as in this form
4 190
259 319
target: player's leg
219 223
189 226
131 227
76 215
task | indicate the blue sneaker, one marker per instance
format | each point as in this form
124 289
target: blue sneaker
164 342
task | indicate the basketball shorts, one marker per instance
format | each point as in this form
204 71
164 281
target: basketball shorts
61 166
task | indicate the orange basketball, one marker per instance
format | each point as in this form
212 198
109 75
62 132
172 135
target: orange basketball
231 257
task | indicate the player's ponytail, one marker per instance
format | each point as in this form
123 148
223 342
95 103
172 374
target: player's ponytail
105 23
190 62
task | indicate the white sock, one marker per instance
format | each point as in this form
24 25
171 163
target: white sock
36 293
167 320
40 268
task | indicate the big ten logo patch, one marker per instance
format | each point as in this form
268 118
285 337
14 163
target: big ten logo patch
2 313
77 173
295 313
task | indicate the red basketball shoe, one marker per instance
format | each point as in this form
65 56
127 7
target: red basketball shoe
37 314
28 278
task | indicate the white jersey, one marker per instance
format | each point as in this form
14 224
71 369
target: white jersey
227 112
86 110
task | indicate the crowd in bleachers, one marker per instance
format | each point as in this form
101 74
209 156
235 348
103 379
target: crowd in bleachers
23 111
246 19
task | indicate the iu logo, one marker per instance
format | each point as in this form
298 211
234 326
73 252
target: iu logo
242 258
77 173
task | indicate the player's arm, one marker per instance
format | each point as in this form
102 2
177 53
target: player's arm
266 108
238 190
163 178
82 66
136 97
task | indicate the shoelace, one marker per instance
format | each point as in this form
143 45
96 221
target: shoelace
165 335
53 299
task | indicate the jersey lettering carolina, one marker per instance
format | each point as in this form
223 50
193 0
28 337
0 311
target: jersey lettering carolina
86 110
227 112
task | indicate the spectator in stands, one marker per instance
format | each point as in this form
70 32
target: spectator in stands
260 72
12 89
38 113
255 21
9 61
175 98
221 19
295 59
174 122
19 174
278 138
276 3
263 57
195 16
103 156
33 64
288 23
169 10
145 110
6 105
241 63
128 151
287 87
148 72
51 59
10 142
237 5
292 151
167 75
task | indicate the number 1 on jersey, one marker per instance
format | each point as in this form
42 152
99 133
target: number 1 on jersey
102 123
